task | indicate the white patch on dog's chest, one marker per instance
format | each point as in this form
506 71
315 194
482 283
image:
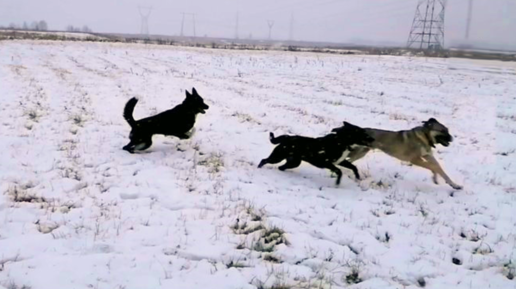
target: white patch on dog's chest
342 157
191 132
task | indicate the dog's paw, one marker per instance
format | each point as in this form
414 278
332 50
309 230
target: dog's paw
434 179
456 187
128 148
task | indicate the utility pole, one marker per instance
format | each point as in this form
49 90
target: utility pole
291 28
468 24
270 23
236 27
427 29
193 16
144 30
182 23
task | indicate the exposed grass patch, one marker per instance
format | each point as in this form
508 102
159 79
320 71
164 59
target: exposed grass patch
12 285
33 115
78 119
384 238
276 286
269 239
506 116
271 258
334 102
483 249
214 162
506 153
244 229
233 264
353 277
244 117
509 270
20 195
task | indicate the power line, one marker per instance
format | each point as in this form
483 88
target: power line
358 16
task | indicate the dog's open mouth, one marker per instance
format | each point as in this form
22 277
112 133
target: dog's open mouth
203 109
444 140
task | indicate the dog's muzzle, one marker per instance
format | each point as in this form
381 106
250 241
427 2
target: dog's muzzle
203 110
444 140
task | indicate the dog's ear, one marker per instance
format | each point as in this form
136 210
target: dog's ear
429 122
348 125
187 93
194 92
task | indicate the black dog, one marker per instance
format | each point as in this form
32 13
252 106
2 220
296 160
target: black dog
177 121
323 152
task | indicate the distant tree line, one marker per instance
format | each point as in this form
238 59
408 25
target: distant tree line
35 25
71 28
43 26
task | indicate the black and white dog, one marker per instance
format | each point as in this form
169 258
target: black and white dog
178 121
324 152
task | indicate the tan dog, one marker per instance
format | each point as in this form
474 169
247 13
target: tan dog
413 146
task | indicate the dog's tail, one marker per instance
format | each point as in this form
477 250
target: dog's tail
128 111
277 140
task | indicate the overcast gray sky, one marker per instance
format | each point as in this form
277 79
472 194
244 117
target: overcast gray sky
494 21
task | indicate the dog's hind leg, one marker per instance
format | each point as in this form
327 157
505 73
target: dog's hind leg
275 157
290 164
430 163
350 166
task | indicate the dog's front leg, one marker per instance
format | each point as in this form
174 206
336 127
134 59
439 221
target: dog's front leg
337 171
350 166
430 163
434 178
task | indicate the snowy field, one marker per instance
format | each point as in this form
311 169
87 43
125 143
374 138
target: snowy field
76 211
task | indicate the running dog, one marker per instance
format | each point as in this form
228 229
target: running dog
413 146
324 152
178 121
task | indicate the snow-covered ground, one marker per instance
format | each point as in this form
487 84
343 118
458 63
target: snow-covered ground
76 211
